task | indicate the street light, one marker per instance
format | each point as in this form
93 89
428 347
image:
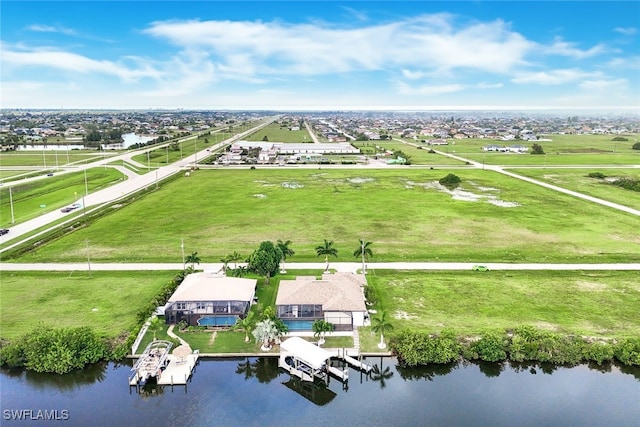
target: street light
182 247
13 220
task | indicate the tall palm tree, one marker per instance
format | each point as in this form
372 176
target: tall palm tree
193 259
364 251
326 250
234 258
225 263
286 252
381 324
246 325
155 325
320 328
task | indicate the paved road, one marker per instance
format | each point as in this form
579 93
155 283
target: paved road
118 191
338 266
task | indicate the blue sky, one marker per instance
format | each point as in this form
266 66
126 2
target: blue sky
321 55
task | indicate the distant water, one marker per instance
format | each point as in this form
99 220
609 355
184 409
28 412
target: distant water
254 392
131 139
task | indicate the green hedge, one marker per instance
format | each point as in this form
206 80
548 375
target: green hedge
523 344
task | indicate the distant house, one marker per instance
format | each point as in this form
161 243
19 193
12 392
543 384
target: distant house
336 298
209 299
518 149
493 147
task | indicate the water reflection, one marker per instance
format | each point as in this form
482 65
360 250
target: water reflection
74 380
314 392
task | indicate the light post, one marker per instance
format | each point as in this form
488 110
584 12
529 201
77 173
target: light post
88 257
182 247
148 161
156 179
167 150
13 220
86 185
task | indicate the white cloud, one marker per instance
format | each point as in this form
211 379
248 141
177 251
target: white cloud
276 48
562 48
72 62
628 31
552 77
413 75
630 62
604 85
360 16
51 29
406 89
484 85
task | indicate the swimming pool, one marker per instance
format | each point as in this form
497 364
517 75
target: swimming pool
217 321
298 325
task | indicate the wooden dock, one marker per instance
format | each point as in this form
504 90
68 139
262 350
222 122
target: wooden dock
178 371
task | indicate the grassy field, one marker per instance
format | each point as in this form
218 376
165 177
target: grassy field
52 192
167 155
577 180
275 133
107 301
418 156
593 303
561 150
400 210
49 159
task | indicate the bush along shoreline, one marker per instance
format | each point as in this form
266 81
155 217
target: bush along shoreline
62 350
523 344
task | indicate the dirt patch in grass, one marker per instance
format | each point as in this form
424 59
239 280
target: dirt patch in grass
591 286
214 334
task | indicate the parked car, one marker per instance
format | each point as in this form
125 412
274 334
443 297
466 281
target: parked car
480 268
4 231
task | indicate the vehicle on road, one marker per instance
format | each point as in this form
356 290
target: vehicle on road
480 268
49 174
66 209
3 231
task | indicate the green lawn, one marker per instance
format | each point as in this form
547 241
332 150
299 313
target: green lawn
167 155
277 133
49 193
561 150
108 301
49 159
577 180
220 211
418 156
594 303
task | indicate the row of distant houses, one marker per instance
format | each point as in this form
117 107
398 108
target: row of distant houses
268 152
212 299
504 149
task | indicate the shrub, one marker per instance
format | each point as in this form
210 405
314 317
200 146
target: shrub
627 184
627 351
636 146
599 352
619 138
598 175
419 348
490 347
450 181
55 350
537 149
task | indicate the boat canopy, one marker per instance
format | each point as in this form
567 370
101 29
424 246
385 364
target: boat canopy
305 351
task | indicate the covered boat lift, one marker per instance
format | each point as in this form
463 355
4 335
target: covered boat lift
308 361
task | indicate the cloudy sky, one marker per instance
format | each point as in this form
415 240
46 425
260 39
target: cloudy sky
317 55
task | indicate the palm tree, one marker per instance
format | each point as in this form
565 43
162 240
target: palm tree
266 332
155 325
364 251
246 325
193 259
381 325
225 263
320 328
326 250
234 258
241 271
286 252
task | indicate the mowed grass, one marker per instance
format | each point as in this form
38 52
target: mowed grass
108 301
167 155
577 180
277 133
561 150
418 156
49 159
52 192
594 303
221 211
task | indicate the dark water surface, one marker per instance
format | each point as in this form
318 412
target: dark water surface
253 392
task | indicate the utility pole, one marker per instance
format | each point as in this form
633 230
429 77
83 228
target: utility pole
88 257
13 219
156 179
86 186
182 247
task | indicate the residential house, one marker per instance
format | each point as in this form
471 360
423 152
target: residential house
210 299
336 298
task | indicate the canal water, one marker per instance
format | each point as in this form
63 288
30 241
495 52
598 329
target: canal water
253 392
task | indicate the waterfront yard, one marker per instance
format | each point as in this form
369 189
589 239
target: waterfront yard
591 303
107 301
404 212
